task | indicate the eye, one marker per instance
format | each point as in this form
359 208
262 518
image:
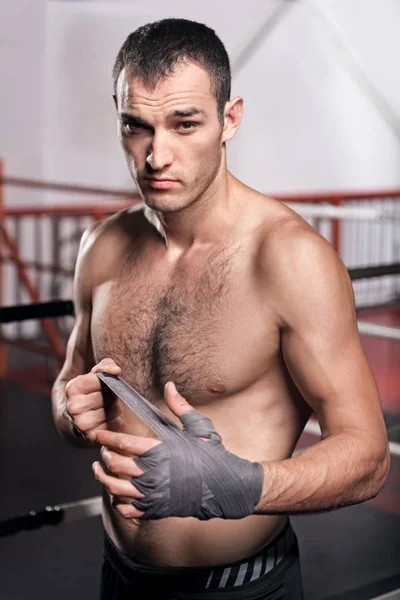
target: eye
131 127
187 125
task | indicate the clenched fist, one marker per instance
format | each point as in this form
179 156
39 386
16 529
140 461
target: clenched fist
89 407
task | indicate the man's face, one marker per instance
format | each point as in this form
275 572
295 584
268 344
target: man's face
171 136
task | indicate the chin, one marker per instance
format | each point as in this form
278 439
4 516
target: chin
166 204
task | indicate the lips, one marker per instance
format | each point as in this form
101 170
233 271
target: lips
161 184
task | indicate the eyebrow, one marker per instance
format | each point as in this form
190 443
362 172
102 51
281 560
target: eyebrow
135 119
175 114
186 112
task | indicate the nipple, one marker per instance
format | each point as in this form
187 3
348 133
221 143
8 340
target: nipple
216 388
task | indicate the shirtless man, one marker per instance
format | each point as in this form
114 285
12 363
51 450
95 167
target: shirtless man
231 297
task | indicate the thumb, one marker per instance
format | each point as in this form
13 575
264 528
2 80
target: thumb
175 402
107 365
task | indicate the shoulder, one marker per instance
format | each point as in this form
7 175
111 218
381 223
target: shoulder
116 234
289 241
121 225
282 237
104 242
300 268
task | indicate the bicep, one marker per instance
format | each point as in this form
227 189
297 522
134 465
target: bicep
322 349
79 353
331 372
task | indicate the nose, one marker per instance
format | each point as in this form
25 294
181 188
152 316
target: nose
159 154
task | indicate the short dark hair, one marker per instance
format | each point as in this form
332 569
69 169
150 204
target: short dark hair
153 51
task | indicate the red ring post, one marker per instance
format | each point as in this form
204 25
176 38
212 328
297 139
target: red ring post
337 228
3 345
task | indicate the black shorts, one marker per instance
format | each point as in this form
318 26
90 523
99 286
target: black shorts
274 573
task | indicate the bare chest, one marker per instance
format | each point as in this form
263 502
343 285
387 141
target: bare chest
208 333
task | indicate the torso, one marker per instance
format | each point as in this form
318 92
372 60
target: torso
206 323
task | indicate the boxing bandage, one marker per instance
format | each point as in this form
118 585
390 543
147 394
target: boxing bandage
185 475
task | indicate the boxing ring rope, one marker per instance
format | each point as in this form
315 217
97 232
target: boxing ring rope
343 213
67 512
41 310
371 329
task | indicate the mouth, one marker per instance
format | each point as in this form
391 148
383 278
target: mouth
161 184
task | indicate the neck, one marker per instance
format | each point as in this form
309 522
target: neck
205 220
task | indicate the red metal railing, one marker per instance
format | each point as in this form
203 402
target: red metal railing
339 199
30 270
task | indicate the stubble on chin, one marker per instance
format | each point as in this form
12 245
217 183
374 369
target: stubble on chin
164 205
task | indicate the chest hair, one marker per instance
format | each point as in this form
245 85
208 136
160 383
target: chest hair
158 331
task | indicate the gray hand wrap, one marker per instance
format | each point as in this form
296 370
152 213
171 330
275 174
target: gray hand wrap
186 476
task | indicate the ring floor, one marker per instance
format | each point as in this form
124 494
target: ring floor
349 554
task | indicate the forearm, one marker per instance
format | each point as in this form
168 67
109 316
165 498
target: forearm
338 471
63 424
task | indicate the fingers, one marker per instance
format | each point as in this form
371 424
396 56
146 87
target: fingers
122 491
175 402
107 365
114 485
100 418
89 383
88 405
80 403
116 467
180 407
130 445
127 510
83 384
117 464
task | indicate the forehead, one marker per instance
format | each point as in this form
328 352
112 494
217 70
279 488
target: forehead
188 84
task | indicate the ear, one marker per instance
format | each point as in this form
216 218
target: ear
232 118
115 101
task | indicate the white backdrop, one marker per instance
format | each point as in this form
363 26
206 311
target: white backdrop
320 84
22 87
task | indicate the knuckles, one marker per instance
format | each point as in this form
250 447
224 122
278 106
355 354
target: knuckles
80 404
108 485
83 384
104 365
110 461
84 422
112 488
